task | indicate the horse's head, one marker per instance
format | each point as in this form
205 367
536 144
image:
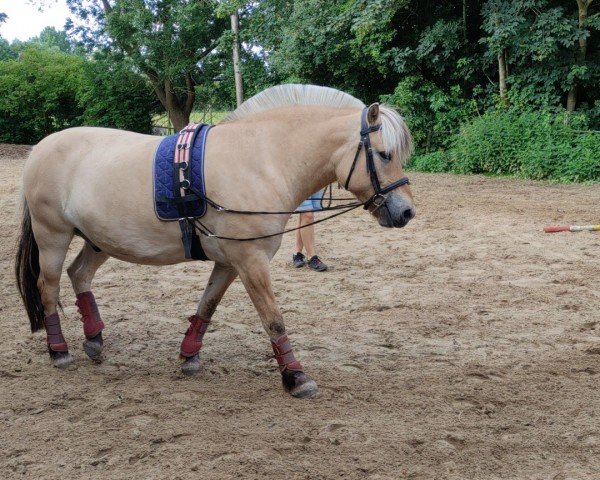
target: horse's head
375 174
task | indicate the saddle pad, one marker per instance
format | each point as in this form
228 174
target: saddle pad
168 204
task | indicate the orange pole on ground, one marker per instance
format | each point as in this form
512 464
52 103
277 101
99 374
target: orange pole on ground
571 228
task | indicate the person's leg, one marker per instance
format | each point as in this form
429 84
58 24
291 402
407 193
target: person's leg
308 237
299 243
307 234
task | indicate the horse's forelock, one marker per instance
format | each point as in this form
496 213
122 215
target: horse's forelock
395 134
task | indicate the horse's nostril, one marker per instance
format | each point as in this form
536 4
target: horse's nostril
408 214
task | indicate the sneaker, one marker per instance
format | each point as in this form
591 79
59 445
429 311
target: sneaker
298 260
316 264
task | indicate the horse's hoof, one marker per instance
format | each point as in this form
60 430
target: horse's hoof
93 349
299 385
191 365
61 360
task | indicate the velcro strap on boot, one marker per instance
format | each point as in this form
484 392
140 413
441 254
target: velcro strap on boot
284 354
54 335
90 316
192 342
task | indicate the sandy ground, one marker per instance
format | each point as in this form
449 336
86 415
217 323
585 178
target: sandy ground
466 346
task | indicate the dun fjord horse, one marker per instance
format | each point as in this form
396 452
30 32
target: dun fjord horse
270 154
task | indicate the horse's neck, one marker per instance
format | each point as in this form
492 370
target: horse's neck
309 143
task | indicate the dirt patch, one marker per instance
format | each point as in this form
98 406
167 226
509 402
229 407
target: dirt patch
462 347
14 151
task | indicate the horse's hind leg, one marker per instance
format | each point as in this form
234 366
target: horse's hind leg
254 273
53 246
220 279
81 272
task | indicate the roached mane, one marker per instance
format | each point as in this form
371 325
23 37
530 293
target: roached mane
395 134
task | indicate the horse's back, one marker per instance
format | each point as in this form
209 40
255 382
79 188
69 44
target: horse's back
68 146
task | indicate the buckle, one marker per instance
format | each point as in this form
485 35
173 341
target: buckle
378 200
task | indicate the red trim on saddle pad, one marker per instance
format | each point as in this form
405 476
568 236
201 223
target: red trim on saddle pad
192 342
284 354
54 336
183 152
90 316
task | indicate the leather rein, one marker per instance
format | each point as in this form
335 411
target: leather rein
377 199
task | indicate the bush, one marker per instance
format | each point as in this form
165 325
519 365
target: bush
45 90
537 145
39 94
434 115
435 162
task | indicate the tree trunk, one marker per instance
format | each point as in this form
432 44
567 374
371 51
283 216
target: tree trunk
582 6
239 86
179 111
502 71
502 76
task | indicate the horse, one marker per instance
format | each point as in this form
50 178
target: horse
268 155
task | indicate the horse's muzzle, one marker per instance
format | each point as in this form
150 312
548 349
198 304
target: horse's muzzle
395 212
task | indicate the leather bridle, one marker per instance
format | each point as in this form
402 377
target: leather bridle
378 198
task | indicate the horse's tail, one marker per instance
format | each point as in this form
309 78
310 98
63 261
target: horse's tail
27 271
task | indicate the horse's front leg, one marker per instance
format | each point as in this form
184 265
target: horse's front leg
254 273
220 279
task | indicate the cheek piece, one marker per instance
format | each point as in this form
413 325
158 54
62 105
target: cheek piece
378 198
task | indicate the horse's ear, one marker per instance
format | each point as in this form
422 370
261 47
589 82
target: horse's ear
373 114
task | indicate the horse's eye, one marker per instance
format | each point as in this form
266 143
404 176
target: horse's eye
386 157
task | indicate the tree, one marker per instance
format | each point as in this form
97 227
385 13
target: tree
6 52
501 20
170 41
115 96
49 37
582 6
339 43
537 37
39 94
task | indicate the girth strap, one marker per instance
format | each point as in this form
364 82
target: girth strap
54 335
182 183
284 354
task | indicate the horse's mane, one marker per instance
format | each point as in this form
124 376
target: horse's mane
395 134
294 94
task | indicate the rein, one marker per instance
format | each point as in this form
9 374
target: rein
377 199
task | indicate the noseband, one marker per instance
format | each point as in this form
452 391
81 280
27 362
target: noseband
378 198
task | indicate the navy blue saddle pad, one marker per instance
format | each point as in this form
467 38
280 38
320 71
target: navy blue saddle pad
168 204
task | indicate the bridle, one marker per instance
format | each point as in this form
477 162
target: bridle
378 198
